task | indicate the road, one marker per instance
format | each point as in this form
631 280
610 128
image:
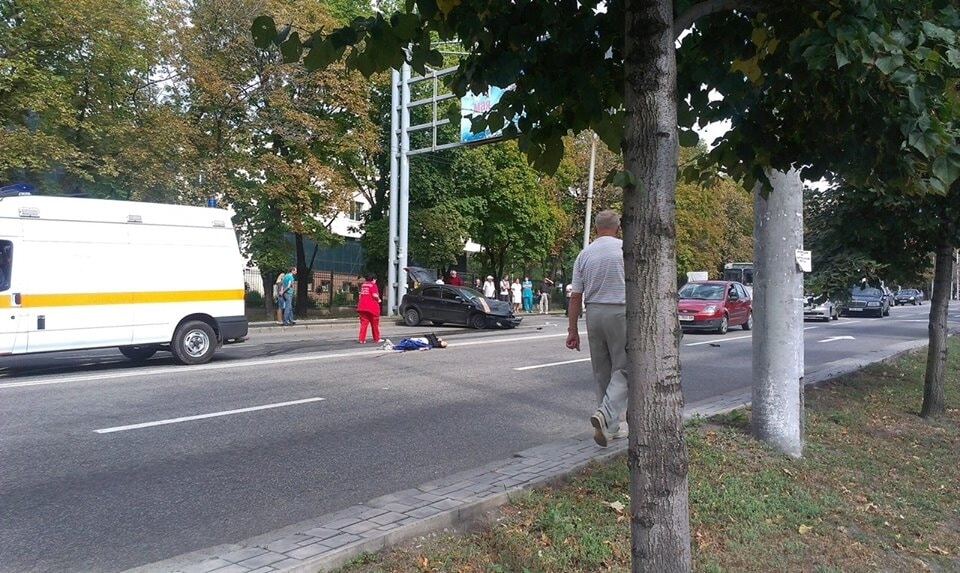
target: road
107 465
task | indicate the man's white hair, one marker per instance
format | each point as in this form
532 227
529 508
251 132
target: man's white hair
608 220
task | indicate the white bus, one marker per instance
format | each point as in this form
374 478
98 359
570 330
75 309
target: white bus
88 273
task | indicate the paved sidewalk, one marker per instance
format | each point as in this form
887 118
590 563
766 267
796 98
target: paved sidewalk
332 540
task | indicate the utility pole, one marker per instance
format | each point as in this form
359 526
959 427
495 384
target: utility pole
392 300
589 213
778 313
404 210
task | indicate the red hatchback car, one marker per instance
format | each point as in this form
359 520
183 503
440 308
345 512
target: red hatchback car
715 305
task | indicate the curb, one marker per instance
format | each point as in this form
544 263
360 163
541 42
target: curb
454 502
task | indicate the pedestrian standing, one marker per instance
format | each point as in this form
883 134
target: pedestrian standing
368 307
286 293
489 289
505 289
516 291
277 299
527 295
568 291
545 285
455 279
598 279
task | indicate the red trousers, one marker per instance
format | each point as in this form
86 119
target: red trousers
369 318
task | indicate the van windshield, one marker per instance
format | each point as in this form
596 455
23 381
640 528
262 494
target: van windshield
6 264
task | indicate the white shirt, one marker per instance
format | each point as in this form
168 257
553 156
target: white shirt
598 272
488 289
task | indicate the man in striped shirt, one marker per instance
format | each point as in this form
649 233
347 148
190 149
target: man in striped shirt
598 281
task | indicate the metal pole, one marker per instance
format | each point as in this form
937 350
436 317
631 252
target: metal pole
394 175
593 163
404 207
777 416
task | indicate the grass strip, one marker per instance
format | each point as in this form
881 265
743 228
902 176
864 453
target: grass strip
878 489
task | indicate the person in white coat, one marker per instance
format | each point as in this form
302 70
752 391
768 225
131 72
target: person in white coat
516 295
489 289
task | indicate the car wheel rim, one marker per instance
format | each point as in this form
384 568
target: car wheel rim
196 343
412 316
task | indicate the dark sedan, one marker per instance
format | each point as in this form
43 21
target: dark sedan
442 304
867 300
909 296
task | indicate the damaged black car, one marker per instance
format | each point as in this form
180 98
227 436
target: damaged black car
447 304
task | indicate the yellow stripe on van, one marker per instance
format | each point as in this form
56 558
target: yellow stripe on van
108 298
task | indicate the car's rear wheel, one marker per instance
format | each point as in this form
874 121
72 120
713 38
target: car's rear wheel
411 317
724 326
478 321
749 323
138 353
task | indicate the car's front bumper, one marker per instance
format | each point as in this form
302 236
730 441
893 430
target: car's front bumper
504 321
818 313
700 323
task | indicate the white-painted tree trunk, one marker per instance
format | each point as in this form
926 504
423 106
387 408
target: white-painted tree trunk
778 314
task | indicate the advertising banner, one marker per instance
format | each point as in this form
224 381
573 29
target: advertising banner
472 105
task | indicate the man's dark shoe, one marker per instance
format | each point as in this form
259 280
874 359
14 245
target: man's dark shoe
599 423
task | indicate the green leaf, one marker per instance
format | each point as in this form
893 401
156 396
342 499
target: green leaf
842 58
550 158
264 31
689 138
447 6
434 58
916 97
888 64
946 170
406 27
610 130
322 55
282 35
291 49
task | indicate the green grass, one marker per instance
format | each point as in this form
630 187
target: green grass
878 489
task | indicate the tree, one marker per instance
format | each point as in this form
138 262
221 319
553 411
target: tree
286 149
83 102
891 86
514 219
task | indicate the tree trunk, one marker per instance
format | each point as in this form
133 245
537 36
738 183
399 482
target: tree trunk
659 512
268 278
304 276
934 403
778 318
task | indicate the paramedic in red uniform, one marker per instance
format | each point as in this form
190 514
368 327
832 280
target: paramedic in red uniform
368 307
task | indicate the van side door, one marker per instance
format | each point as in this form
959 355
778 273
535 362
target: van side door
11 320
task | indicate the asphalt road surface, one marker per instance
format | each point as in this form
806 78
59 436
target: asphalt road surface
105 465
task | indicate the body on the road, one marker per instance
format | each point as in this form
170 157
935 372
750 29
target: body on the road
598 279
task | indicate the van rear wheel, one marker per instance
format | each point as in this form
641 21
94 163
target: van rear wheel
138 353
194 342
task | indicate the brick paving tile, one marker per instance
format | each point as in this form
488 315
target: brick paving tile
243 554
340 540
308 551
321 533
261 560
205 566
232 568
360 527
387 518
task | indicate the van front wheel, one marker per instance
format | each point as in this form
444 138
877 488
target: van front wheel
138 353
194 342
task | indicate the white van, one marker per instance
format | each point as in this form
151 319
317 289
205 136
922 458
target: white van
89 273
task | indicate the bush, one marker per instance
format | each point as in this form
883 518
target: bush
253 298
343 299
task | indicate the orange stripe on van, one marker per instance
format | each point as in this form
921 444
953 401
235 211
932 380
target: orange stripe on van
109 298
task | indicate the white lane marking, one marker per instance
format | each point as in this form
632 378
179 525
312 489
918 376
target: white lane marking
522 368
204 416
719 340
835 338
160 370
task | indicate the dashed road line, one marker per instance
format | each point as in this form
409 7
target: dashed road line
205 416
